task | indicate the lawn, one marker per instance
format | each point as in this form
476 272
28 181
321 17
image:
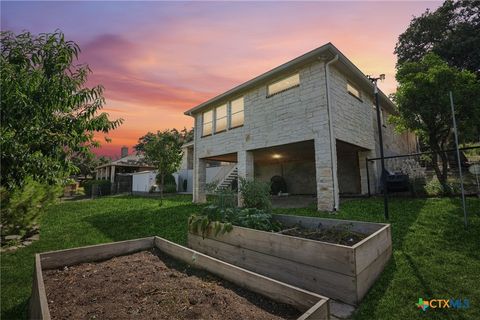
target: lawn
433 256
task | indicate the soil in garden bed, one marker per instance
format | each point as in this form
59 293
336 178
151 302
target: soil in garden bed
152 285
339 235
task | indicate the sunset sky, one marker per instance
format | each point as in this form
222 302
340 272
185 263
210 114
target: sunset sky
158 59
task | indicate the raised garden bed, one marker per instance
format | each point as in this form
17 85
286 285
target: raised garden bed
342 272
153 278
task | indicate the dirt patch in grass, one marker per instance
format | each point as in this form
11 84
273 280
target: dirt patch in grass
151 285
339 235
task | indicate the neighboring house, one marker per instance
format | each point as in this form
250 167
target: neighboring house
126 164
311 120
144 181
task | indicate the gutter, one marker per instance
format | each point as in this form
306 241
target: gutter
333 149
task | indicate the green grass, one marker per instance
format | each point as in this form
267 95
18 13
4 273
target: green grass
433 256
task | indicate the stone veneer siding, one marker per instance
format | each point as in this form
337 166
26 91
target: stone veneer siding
298 114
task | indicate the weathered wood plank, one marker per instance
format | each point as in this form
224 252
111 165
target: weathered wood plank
325 282
369 249
370 274
313 222
319 311
56 259
329 256
281 292
38 305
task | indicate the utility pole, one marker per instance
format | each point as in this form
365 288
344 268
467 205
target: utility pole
380 140
458 159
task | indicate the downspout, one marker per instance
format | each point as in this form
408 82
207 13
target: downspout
333 149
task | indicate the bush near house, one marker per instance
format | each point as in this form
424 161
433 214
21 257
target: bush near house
103 187
255 194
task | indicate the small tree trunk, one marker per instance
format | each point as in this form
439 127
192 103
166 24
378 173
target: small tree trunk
162 183
444 181
441 173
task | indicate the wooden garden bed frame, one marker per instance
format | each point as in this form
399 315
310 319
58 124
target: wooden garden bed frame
313 305
337 271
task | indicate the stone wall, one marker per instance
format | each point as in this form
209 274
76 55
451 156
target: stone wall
300 114
299 175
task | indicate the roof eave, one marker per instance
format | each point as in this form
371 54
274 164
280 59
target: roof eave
318 53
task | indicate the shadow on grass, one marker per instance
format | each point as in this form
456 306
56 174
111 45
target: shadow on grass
18 311
170 222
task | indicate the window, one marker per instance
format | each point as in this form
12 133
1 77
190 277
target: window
207 123
284 84
221 118
383 117
236 113
353 91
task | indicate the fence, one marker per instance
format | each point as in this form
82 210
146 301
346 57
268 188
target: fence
417 174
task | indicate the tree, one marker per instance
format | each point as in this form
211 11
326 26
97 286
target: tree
424 105
48 114
183 136
452 32
162 150
86 163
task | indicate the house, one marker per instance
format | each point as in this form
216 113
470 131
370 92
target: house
311 121
127 164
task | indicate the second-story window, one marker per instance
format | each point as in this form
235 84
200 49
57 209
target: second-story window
236 113
284 84
207 123
353 91
221 118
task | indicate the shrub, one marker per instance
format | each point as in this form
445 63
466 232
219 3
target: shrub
170 188
435 188
225 198
185 185
255 194
22 205
168 180
103 187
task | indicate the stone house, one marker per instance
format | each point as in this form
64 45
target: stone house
311 121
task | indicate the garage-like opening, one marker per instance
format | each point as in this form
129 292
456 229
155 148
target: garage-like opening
289 167
348 168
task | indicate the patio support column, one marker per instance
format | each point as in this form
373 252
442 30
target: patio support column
245 169
362 157
324 176
199 181
112 174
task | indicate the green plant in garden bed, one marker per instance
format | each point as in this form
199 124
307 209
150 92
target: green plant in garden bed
222 220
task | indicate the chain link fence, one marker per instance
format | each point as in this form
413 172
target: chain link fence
427 174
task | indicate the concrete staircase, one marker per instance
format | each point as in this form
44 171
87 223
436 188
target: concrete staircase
226 182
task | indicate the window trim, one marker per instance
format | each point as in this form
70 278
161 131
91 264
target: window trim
359 97
211 123
286 89
230 114
214 130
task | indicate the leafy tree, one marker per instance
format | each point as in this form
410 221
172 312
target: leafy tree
452 32
87 162
424 105
162 150
183 136
48 115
